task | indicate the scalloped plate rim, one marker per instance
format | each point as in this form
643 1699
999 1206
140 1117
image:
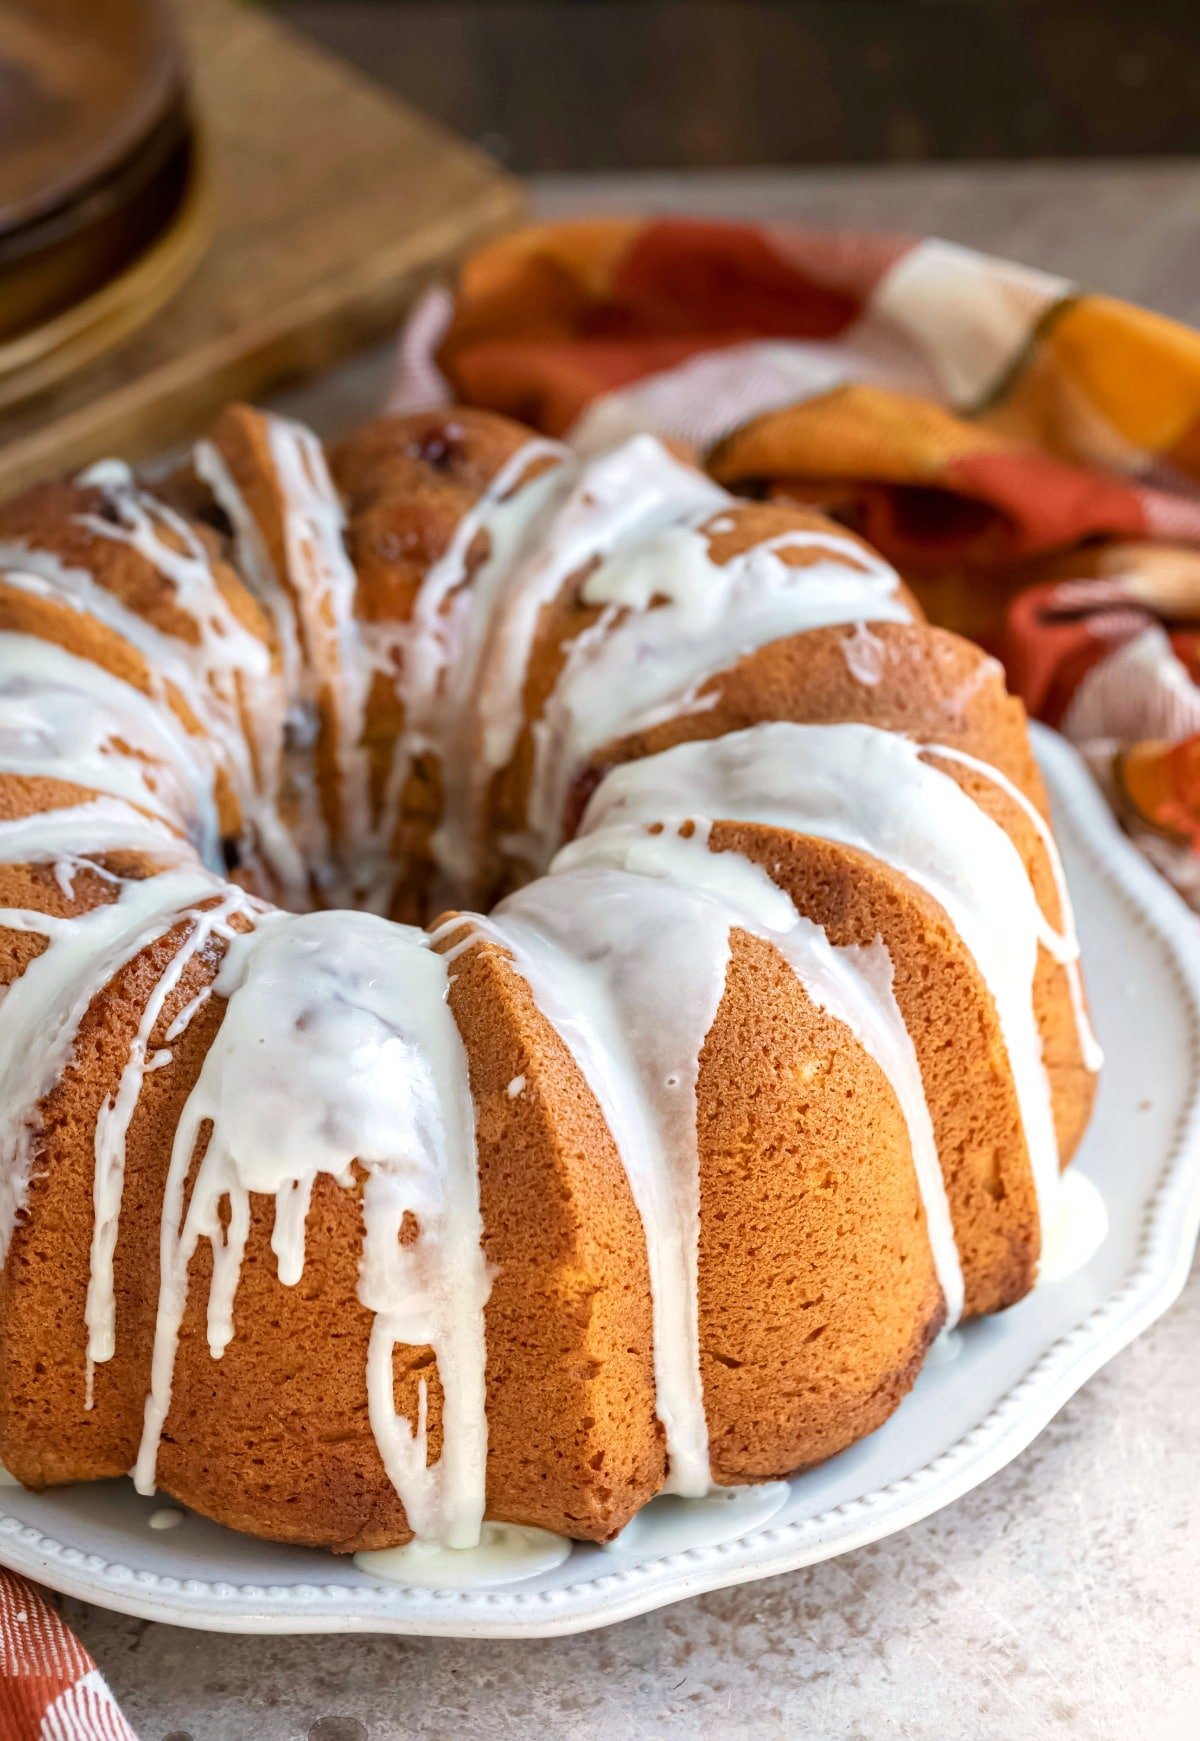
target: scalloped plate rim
1168 1238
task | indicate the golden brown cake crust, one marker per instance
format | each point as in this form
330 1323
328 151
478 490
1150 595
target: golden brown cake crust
573 1441
53 517
818 1295
932 686
47 1433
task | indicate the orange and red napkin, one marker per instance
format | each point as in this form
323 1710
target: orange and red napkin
1026 453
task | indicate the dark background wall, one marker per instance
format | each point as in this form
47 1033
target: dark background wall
552 85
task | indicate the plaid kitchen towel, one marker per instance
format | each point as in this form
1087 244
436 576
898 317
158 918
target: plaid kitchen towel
1027 453
50 1689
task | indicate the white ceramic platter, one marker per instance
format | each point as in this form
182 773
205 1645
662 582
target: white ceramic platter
966 1418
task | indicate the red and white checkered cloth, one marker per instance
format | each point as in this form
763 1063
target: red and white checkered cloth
50 1689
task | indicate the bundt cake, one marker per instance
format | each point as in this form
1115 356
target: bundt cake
343 1213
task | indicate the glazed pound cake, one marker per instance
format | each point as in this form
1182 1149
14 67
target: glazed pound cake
529 983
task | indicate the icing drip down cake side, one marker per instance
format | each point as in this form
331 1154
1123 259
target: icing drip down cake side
529 983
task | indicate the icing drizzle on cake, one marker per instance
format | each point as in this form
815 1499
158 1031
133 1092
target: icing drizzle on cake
337 1052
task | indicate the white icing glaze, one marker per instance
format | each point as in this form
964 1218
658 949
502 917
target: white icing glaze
871 790
854 985
593 510
601 952
1062 944
506 1553
946 1349
625 948
434 658
183 1020
324 586
66 718
670 1525
165 1517
457 721
71 835
671 619
254 562
1075 1231
313 603
41 1011
464 658
225 677
116 1115
865 655
337 1046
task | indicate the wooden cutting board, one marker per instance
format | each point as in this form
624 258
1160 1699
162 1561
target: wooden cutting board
333 203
